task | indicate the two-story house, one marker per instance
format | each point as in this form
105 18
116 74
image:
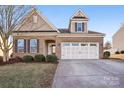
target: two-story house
36 35
117 40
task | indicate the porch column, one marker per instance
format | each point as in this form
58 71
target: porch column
58 49
44 47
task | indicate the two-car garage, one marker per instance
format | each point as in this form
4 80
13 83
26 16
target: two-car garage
79 50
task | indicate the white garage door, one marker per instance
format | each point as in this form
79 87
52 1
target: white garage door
79 50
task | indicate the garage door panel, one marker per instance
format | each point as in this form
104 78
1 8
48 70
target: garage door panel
70 50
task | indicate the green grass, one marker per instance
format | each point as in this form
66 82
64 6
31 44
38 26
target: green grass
30 75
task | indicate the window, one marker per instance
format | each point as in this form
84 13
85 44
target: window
33 45
66 44
93 45
34 19
80 27
20 45
84 44
75 44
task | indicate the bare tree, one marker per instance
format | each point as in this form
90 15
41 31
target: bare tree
107 45
10 17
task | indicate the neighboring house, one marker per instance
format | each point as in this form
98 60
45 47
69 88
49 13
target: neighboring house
38 36
118 40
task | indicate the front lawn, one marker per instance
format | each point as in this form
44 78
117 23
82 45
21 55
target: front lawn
117 56
27 75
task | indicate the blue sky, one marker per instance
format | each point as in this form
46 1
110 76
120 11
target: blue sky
102 18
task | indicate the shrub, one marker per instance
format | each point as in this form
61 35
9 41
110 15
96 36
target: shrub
39 58
122 52
28 58
1 59
117 52
51 58
106 54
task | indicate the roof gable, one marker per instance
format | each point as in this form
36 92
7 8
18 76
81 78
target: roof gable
41 24
79 14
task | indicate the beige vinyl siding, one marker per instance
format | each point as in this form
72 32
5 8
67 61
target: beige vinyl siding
118 39
29 25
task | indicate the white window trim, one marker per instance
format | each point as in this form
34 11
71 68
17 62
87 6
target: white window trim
30 46
23 46
81 27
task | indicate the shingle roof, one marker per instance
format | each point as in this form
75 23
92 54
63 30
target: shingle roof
93 32
61 31
36 31
64 30
67 31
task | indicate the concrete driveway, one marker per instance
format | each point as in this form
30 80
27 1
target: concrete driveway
89 74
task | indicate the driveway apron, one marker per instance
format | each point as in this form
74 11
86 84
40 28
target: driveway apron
89 74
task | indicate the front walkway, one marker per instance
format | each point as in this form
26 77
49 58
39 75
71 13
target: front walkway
89 74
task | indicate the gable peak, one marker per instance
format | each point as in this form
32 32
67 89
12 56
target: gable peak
35 14
79 14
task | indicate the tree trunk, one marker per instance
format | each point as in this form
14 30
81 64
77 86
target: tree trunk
5 56
5 51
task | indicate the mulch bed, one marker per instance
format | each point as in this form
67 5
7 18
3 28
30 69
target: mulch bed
13 61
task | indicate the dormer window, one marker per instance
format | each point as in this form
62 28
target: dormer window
78 23
34 19
79 27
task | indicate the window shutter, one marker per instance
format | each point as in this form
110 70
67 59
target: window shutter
24 46
29 46
37 45
76 27
82 26
16 48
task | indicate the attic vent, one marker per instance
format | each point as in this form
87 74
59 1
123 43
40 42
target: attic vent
34 19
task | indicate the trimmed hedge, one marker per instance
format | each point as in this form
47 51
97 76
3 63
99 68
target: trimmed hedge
51 58
122 52
28 58
117 52
39 58
106 54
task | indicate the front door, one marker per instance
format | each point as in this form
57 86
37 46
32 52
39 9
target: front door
51 49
